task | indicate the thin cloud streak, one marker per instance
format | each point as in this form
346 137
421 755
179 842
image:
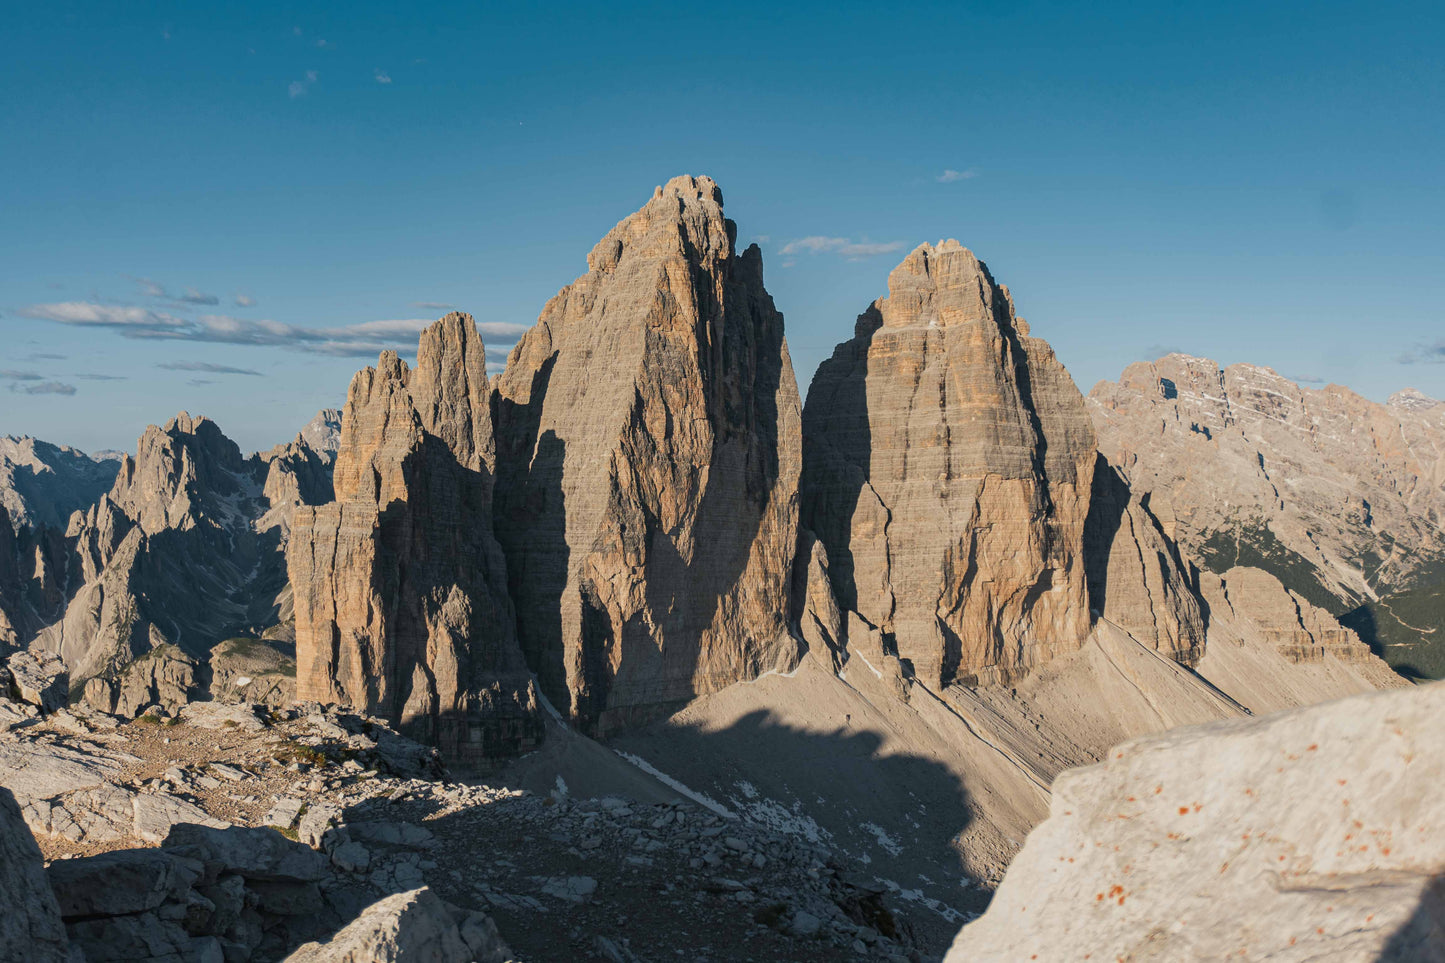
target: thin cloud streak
848 248
44 388
1424 354
949 176
10 374
207 366
365 339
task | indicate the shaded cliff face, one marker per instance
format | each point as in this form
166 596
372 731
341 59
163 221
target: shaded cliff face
185 549
42 484
399 585
948 463
1341 498
648 454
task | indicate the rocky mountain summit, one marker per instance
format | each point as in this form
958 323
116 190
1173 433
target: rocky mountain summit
400 588
1341 498
948 467
182 553
648 452
42 484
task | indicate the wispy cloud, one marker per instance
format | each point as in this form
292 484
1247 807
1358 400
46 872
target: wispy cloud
155 289
42 356
200 381
1306 379
208 367
44 388
1424 354
950 175
433 305
299 88
382 77
353 340
245 301
848 248
102 377
10 374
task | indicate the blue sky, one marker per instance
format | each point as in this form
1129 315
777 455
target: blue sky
1249 182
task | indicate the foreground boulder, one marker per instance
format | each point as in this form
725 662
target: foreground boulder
399 586
648 459
1316 834
948 461
412 926
30 927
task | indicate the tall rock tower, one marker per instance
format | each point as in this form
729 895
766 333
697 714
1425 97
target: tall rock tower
648 456
400 586
948 464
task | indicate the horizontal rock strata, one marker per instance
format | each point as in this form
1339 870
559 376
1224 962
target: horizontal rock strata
948 464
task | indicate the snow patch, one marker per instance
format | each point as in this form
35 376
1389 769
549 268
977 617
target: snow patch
885 841
676 786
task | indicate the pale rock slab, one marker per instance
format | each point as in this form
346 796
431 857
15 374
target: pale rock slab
1316 834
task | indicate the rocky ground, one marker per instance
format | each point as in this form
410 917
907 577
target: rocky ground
563 878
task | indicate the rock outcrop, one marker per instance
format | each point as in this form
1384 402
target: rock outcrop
948 463
1341 498
648 456
399 585
31 930
1316 834
407 926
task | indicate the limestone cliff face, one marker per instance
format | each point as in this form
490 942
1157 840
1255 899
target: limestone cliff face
648 456
1340 497
399 585
1301 632
948 463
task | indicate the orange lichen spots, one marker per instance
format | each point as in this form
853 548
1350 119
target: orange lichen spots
1385 850
1369 918
1245 836
1358 825
1198 806
1341 781
1099 898
1071 859
1313 747
1117 891
1184 810
1320 930
1223 867
1248 791
1175 836
1158 790
1291 941
1132 799
1281 859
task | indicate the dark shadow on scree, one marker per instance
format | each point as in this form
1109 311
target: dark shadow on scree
901 812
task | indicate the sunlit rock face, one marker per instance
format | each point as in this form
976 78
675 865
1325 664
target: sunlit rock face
948 463
648 456
400 587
